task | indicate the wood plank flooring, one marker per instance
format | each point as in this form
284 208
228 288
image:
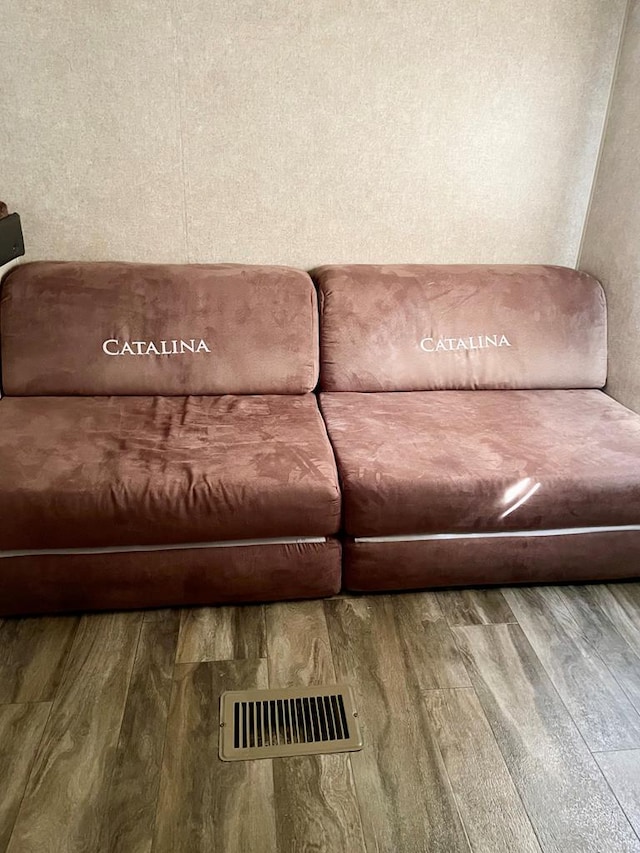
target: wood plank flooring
316 801
595 700
495 721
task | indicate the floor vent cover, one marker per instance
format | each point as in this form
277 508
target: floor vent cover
297 721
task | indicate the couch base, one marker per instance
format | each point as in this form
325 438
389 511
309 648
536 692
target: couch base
58 583
376 566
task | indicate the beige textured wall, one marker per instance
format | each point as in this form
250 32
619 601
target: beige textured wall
611 248
304 132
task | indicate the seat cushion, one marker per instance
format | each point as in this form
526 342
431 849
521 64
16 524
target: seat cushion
104 471
467 461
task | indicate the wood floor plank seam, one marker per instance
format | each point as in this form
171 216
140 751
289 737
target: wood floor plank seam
141 744
585 726
621 594
596 602
613 751
358 794
622 808
44 729
617 780
23 678
554 690
50 753
416 693
617 799
557 692
630 697
597 653
64 668
206 804
224 632
33 761
403 790
154 837
276 827
269 682
452 791
519 825
475 606
427 645
109 784
354 776
496 741
143 622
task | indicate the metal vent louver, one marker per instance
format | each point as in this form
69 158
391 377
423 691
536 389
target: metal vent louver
296 721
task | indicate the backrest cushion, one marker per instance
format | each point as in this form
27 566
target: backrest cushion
418 327
116 328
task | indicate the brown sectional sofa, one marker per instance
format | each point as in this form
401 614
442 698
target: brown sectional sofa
161 444
473 443
159 441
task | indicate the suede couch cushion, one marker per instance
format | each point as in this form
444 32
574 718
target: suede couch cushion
451 461
107 471
422 328
54 583
561 558
114 328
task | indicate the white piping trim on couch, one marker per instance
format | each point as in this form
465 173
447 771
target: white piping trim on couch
182 546
503 534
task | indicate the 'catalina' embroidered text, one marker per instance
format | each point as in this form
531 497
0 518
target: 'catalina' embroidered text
173 347
472 342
